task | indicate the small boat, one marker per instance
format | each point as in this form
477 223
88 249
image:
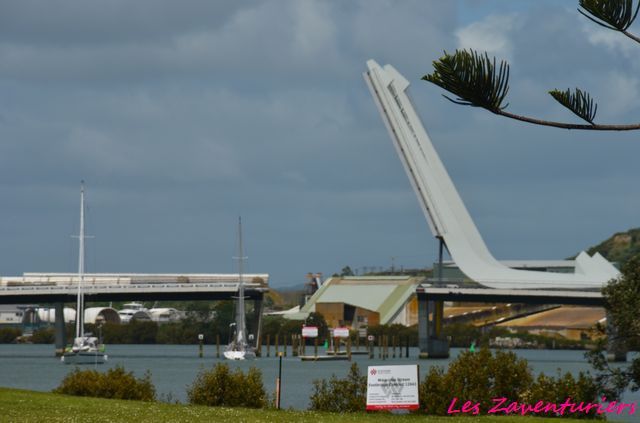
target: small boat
86 349
134 312
239 348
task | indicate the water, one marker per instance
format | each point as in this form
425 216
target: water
174 368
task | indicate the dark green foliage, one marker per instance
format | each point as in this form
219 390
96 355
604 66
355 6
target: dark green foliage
340 395
622 301
135 332
482 376
557 390
434 394
401 332
617 15
579 102
43 336
222 387
346 271
473 77
284 328
115 383
9 335
278 325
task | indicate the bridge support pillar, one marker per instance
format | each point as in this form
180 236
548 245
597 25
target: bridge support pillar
616 350
59 327
256 324
430 339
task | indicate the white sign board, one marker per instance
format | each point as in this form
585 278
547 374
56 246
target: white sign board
341 332
390 387
309 331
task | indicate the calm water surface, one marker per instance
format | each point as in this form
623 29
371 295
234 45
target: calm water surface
174 367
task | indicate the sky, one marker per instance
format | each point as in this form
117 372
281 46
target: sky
182 116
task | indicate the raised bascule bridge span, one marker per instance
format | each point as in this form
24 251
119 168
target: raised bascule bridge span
58 288
452 226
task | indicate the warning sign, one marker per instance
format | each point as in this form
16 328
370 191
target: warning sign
390 387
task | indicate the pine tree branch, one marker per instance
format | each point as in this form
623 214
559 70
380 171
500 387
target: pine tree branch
563 125
579 102
616 15
632 36
475 81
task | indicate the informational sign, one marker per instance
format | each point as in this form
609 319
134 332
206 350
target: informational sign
341 332
309 331
390 387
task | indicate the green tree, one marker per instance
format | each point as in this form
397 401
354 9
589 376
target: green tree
477 81
340 395
346 271
622 301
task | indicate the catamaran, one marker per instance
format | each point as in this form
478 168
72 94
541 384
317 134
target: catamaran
86 349
239 348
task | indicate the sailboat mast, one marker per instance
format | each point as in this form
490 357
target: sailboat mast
80 300
240 317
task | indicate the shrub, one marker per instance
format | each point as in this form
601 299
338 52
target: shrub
221 387
557 390
482 376
115 383
340 395
479 377
9 335
43 336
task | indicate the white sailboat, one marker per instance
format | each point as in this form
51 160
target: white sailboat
85 349
239 348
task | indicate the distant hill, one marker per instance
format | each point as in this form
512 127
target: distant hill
620 247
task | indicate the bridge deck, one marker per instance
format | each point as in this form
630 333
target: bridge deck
528 296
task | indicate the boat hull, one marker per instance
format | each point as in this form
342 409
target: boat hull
84 357
239 355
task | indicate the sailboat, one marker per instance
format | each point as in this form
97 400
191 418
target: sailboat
239 348
86 349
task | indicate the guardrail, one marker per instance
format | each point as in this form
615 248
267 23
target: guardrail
132 287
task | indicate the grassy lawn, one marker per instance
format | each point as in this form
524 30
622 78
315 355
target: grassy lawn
27 406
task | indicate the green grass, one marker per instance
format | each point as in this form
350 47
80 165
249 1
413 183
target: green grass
27 406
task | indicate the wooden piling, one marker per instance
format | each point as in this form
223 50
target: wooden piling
277 345
268 344
217 345
315 346
349 348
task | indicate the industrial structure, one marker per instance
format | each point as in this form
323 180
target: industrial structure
362 301
454 229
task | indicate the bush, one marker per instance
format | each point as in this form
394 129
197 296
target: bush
44 336
340 395
114 384
479 377
9 335
557 390
221 387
